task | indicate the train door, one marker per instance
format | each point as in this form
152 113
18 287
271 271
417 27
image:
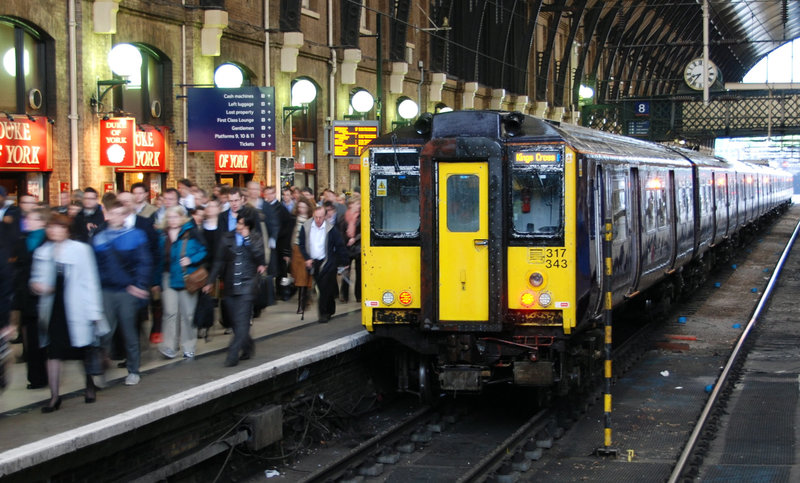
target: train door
600 202
463 235
672 220
636 225
714 207
726 198
618 201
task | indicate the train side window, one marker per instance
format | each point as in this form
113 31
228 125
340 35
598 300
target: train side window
661 207
619 207
463 203
649 210
683 203
394 195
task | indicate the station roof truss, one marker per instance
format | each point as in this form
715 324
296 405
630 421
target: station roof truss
625 48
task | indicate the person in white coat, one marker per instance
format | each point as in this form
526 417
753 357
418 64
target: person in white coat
64 275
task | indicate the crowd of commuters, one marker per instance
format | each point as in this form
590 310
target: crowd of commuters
81 278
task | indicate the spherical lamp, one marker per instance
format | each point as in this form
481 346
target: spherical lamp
362 101
125 60
407 109
228 76
303 92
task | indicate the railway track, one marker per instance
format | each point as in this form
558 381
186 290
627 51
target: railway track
409 447
689 461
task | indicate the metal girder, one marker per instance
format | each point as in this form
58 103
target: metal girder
591 20
617 35
543 71
577 9
603 32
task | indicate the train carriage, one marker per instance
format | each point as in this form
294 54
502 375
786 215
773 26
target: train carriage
481 240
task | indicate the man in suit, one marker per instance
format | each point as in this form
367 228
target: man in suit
323 249
227 218
89 218
140 203
227 223
239 258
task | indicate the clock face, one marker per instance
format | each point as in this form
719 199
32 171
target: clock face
693 74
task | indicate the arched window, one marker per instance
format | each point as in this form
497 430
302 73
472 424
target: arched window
147 96
304 139
26 77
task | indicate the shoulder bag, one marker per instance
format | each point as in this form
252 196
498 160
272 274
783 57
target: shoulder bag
196 280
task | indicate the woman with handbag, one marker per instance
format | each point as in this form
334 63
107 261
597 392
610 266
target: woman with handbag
181 273
64 276
302 279
239 260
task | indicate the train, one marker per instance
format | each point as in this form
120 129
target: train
482 241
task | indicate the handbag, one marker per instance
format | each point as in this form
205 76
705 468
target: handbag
196 280
264 292
265 284
204 312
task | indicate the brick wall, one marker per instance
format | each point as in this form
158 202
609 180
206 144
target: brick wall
159 24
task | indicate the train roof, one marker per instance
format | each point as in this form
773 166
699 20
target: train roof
518 128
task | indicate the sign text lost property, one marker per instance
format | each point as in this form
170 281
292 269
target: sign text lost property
240 119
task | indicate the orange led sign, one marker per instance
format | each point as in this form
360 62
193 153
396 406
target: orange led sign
350 137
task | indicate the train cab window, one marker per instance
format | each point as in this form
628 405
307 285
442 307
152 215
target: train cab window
394 194
463 203
537 200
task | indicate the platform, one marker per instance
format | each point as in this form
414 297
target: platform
283 343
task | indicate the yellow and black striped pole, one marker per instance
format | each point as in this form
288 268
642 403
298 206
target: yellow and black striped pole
607 450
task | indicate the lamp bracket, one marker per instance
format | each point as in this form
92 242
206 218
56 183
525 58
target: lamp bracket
289 111
109 84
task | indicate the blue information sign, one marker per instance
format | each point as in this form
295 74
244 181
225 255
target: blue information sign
641 108
241 119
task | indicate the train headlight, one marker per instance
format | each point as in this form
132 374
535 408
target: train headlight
536 279
545 298
528 299
387 297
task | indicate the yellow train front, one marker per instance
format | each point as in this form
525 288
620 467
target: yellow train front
468 249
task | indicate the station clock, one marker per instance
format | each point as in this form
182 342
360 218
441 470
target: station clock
693 74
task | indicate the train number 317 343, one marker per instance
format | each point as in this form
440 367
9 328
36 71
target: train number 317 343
554 258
